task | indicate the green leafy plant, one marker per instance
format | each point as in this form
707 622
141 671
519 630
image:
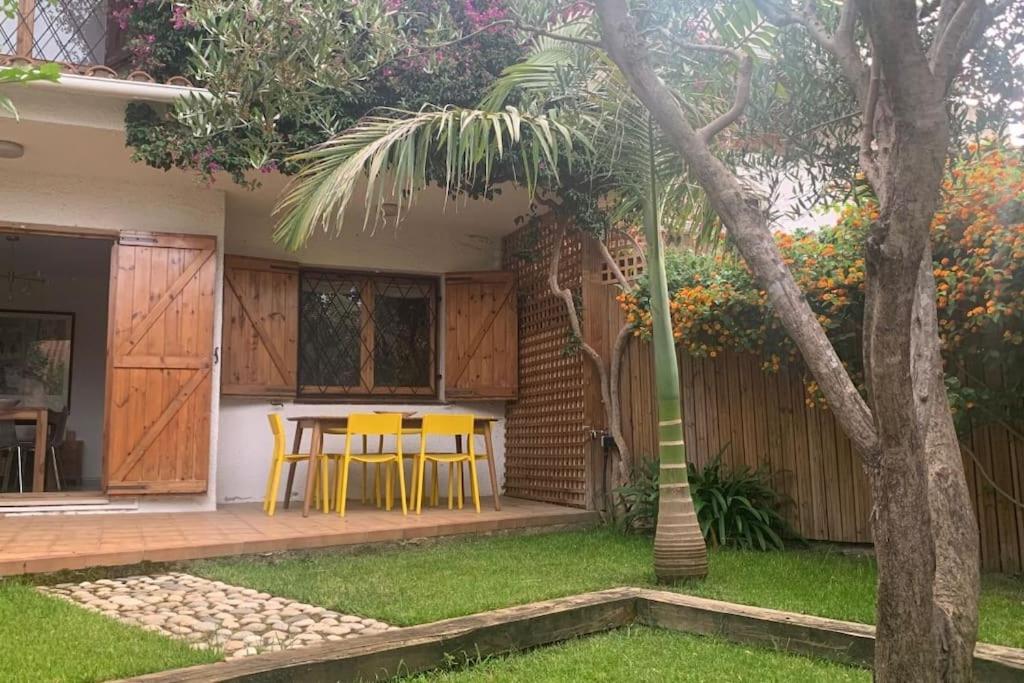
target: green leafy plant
735 507
639 499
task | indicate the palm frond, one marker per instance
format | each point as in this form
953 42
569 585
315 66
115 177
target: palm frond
392 152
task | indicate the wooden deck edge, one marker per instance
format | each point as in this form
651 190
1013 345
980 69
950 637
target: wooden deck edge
201 551
429 646
466 639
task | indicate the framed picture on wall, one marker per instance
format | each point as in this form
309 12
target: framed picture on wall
35 357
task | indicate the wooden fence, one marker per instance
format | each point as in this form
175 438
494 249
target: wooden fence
757 419
731 408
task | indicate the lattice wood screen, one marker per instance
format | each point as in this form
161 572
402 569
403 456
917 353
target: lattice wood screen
545 442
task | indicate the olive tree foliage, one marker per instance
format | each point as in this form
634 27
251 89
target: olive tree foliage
900 62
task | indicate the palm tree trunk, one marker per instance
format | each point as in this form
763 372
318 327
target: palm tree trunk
679 549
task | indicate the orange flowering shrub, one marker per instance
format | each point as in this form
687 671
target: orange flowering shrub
978 250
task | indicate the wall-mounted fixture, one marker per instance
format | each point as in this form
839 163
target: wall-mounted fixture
11 150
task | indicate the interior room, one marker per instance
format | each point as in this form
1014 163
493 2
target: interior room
53 332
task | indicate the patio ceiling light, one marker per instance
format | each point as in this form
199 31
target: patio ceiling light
11 150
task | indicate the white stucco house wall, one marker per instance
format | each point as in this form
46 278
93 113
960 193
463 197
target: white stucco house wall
74 190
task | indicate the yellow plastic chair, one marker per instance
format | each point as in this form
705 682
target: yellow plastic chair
280 458
447 425
380 425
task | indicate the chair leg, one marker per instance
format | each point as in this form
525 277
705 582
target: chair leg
378 492
420 468
366 468
461 483
270 482
337 485
288 485
400 466
21 474
343 492
451 486
56 470
275 482
366 471
325 476
435 485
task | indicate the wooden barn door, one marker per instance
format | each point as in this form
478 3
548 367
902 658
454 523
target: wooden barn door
160 357
481 348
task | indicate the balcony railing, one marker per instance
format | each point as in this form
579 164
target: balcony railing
79 32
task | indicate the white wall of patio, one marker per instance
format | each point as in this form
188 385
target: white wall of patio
77 173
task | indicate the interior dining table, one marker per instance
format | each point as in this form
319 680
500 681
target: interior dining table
322 425
40 416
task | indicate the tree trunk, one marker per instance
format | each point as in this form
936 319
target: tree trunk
679 548
922 521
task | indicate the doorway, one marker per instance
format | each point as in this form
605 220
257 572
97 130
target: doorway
54 294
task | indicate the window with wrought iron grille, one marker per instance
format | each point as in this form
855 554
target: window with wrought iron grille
367 335
72 31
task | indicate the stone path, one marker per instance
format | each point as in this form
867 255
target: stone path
213 614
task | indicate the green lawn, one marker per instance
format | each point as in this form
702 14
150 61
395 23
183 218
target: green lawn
414 585
644 654
46 639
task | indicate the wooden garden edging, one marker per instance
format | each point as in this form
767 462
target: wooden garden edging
467 639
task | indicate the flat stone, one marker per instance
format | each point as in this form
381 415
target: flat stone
275 636
126 601
233 645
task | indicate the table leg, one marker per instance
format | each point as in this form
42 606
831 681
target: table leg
39 457
491 468
313 468
296 445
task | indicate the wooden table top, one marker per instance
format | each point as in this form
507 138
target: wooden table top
23 412
406 418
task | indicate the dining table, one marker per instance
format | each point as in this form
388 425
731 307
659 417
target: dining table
40 416
322 425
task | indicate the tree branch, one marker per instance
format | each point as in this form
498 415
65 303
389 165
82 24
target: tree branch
537 31
565 295
952 26
742 96
867 133
613 265
840 45
745 223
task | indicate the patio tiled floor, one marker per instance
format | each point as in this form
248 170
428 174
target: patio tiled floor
46 543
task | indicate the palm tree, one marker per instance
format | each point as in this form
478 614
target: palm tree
571 107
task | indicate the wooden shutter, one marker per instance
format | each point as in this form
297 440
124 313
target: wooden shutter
261 327
481 349
160 341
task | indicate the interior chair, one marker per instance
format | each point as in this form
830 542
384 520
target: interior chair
280 457
447 426
11 452
381 425
54 441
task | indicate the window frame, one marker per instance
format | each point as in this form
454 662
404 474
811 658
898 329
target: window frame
368 283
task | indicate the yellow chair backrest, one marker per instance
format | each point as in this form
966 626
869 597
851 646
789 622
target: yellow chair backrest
277 429
448 425
389 424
